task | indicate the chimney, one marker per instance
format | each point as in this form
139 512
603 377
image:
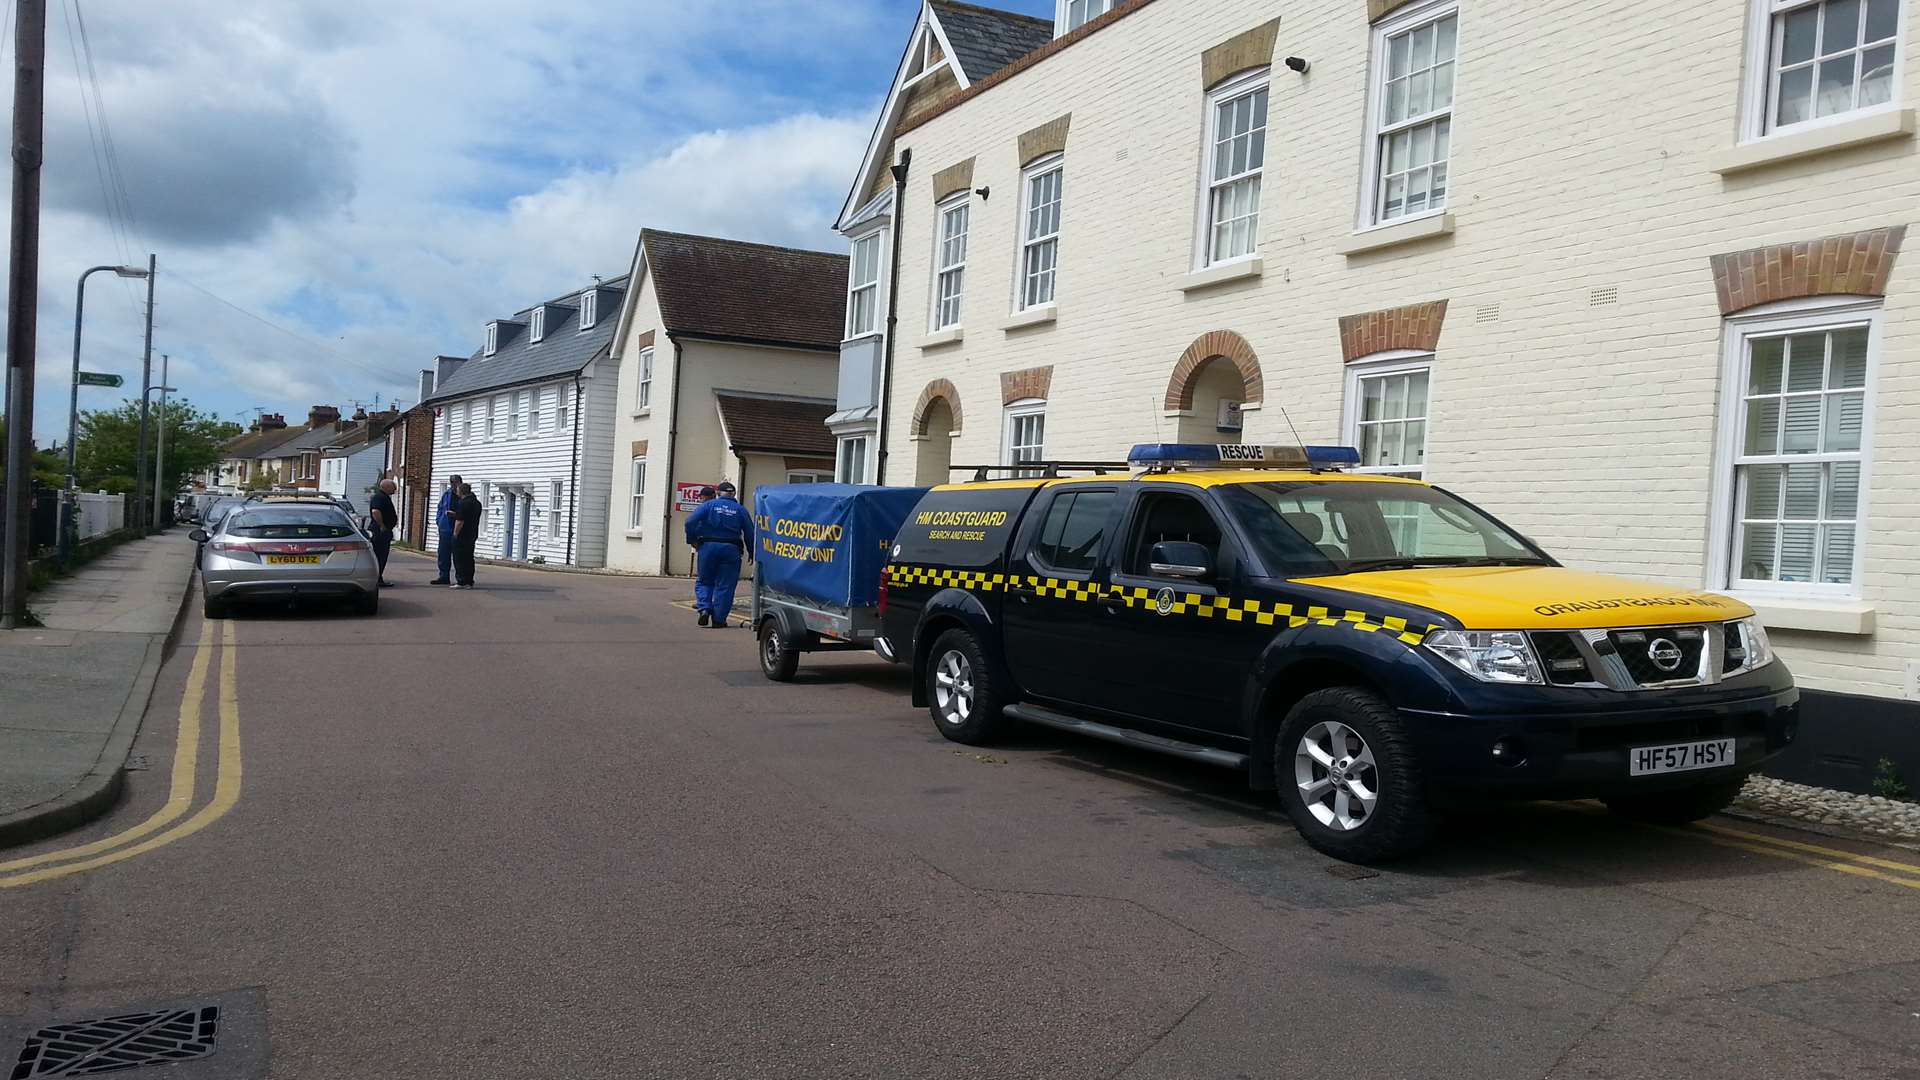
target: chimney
321 416
426 385
444 368
272 421
359 412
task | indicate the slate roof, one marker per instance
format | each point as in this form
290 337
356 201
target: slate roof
776 425
563 351
985 40
736 291
256 443
310 439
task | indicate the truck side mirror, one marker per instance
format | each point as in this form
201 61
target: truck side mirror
1181 559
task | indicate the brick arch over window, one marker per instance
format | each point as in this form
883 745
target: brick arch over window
937 390
1215 345
1853 264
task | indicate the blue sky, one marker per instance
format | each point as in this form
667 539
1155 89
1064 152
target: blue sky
340 189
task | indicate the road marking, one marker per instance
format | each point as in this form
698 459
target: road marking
1816 849
1827 858
186 757
1782 853
226 790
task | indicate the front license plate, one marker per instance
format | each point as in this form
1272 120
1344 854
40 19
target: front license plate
293 560
1680 757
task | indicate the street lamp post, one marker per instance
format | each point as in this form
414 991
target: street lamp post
68 500
160 453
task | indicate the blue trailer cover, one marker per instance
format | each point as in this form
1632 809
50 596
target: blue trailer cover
827 542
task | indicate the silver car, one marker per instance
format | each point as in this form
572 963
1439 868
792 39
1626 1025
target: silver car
287 551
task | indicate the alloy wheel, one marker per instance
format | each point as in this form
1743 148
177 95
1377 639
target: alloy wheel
1338 777
953 687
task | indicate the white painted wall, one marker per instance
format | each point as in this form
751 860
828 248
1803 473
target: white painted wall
1581 143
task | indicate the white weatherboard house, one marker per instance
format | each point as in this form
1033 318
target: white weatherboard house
528 421
353 464
1626 272
727 353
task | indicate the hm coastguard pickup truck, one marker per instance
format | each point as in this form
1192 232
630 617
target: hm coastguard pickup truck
1369 646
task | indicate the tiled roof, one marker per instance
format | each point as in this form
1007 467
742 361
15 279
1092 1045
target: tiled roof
562 351
729 289
776 425
985 40
255 443
310 439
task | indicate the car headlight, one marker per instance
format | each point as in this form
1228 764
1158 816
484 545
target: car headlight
1748 636
1502 656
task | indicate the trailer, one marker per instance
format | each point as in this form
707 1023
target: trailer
820 550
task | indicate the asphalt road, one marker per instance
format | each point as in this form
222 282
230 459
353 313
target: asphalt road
549 828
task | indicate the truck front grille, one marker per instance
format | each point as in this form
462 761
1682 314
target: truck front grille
1660 654
1561 657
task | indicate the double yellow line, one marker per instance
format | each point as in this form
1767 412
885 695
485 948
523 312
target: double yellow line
1905 875
160 829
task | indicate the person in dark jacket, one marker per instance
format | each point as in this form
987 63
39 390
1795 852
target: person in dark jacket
466 533
721 531
381 518
443 517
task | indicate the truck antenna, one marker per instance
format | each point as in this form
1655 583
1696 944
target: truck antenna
1297 440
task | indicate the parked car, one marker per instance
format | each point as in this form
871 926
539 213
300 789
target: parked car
1368 646
287 551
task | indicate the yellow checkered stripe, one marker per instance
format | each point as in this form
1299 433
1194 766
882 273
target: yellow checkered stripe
1188 605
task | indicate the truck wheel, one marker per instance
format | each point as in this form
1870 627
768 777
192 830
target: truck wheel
1676 807
960 691
778 660
1349 779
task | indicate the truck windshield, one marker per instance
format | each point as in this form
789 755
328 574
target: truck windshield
1340 527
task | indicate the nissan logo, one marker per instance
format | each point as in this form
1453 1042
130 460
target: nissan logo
1665 654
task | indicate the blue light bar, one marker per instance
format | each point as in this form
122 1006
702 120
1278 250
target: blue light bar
1242 456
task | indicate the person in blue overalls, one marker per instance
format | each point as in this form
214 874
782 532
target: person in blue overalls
443 517
721 531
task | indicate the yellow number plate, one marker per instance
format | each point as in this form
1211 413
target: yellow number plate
293 560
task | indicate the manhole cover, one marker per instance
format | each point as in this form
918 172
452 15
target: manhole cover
112 1043
138 763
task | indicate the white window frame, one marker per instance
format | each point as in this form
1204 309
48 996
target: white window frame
556 506
844 453
497 417
562 409
1014 412
1757 108
537 325
643 382
961 204
493 339
522 413
1232 90
856 287
1028 241
1790 317
636 492
1395 362
456 420
1372 179
589 309
809 476
1063 11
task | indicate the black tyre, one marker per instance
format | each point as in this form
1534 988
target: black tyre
1349 777
778 658
960 691
1679 806
367 603
213 609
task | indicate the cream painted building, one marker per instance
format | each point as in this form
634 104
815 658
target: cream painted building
728 353
1624 272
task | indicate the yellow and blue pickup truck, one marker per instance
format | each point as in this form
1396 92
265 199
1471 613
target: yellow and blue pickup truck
1374 648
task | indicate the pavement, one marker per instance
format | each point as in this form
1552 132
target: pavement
73 690
550 828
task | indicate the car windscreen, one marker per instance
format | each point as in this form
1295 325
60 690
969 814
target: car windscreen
289 523
1312 528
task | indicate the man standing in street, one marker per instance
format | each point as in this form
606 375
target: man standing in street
443 517
720 531
466 533
702 597
381 518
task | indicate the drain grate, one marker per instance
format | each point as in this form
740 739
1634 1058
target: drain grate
127 1041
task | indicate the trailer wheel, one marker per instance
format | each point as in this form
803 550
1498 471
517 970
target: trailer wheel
778 658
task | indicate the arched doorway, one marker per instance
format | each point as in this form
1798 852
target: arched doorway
936 420
1218 369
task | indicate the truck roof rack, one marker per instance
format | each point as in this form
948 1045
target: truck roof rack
1040 470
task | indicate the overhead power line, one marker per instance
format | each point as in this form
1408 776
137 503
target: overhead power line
360 365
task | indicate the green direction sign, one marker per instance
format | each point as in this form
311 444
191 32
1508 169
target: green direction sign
97 378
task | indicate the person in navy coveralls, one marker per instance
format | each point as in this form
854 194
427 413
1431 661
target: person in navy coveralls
721 532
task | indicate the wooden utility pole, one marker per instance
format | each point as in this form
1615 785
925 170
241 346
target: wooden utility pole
146 379
23 298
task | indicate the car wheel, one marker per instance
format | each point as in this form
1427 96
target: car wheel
1679 806
1349 777
368 603
213 609
960 690
778 660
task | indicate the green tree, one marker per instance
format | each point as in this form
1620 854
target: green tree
49 467
109 441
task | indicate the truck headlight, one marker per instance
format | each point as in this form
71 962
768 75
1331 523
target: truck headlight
1750 639
1502 656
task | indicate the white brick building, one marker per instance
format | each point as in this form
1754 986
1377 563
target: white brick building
1579 258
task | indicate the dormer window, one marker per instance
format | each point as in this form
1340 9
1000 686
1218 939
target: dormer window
588 314
537 326
493 339
1073 14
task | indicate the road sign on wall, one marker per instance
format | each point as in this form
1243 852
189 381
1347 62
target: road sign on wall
100 378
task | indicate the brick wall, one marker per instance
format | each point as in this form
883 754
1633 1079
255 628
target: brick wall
1576 389
416 473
